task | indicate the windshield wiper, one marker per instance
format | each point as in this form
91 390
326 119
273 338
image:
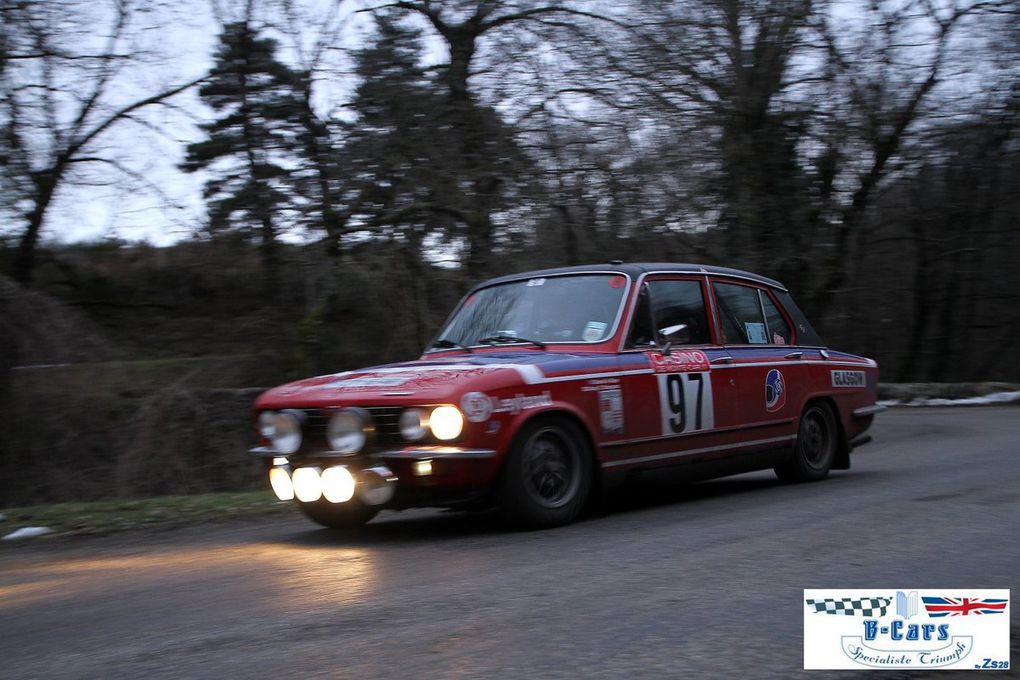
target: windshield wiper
503 338
449 344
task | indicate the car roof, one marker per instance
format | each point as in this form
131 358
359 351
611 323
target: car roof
636 269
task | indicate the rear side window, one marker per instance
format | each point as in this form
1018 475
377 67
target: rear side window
741 314
778 330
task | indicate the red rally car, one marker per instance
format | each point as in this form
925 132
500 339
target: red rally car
542 385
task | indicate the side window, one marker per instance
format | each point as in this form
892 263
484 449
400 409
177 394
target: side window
778 329
641 327
741 315
680 302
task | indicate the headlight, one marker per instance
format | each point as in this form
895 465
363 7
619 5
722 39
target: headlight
446 422
413 425
337 484
307 484
284 433
279 478
267 424
347 431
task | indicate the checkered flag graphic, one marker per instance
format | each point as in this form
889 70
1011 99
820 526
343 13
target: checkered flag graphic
849 606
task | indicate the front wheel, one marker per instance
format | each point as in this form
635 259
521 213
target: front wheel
547 475
347 515
815 451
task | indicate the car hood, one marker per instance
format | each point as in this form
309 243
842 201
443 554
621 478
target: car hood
439 380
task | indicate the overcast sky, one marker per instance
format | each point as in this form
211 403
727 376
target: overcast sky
178 41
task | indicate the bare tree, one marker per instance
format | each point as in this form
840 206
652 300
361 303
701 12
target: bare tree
63 80
314 38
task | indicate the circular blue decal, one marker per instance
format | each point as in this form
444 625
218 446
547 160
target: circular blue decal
775 391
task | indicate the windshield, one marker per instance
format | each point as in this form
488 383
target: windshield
576 308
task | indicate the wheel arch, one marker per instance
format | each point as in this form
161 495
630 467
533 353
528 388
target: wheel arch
842 460
559 412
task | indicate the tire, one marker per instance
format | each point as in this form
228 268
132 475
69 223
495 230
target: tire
546 478
817 442
347 515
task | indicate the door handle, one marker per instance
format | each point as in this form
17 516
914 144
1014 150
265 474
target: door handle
794 355
722 360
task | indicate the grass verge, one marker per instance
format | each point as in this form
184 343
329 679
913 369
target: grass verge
104 517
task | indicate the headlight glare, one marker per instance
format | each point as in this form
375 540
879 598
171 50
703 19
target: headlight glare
347 431
413 424
446 422
337 484
279 479
307 484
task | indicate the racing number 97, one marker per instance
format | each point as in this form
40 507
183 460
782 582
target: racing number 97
684 406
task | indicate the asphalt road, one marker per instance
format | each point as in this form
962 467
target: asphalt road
671 581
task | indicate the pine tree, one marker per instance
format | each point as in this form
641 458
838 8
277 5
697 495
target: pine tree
406 150
253 143
394 150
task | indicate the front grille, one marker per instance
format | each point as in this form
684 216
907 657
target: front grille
385 421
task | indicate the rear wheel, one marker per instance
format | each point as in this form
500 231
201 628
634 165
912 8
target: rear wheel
347 515
547 475
815 451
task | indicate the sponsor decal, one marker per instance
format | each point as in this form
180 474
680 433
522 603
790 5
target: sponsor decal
371 381
516 404
593 331
692 360
775 391
611 411
610 402
847 629
849 379
756 333
476 406
479 407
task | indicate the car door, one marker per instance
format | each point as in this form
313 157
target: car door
771 375
676 402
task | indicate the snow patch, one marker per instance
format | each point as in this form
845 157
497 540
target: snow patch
27 532
986 400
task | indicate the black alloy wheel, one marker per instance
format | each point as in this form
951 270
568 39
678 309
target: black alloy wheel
547 475
815 451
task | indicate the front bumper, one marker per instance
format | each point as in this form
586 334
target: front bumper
415 467
410 453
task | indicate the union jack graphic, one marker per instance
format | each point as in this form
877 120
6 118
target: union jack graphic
961 606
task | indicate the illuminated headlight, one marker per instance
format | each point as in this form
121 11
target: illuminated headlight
347 431
446 422
413 424
307 484
337 484
282 429
279 479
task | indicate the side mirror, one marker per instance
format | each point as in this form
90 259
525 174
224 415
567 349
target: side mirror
679 333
